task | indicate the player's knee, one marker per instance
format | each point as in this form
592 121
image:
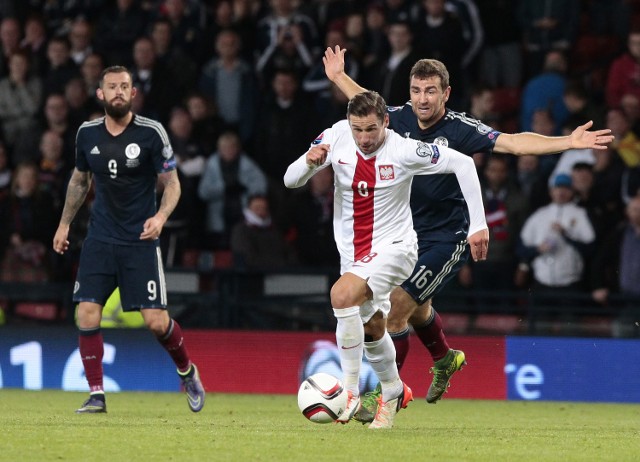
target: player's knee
402 306
88 315
157 323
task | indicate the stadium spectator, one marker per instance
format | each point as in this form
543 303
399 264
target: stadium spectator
56 118
80 105
186 32
315 83
256 242
5 174
229 82
154 81
28 221
616 267
546 91
80 40
284 116
35 43
285 39
171 56
547 26
10 35
230 177
624 72
506 210
310 218
389 77
117 28
375 238
207 125
556 239
20 99
439 36
61 67
52 171
501 63
127 248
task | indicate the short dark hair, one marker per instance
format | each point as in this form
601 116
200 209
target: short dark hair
426 68
363 104
114 70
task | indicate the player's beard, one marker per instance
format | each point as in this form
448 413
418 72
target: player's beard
117 112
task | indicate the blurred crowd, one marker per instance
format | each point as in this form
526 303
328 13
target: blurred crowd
240 87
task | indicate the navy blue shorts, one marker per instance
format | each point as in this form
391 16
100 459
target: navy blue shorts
438 263
135 269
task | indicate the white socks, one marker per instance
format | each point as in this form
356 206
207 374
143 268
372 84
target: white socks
382 357
350 341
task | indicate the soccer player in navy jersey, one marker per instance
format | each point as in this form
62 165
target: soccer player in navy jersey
125 155
440 215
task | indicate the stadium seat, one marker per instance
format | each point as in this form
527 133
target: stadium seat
502 324
40 311
455 323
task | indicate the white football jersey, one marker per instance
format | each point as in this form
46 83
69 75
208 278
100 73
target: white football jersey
371 204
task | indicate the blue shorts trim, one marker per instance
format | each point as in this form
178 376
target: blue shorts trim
437 264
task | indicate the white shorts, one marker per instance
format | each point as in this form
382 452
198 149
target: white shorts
384 268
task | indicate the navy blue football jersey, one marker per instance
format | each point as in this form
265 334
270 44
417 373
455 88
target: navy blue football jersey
125 169
437 204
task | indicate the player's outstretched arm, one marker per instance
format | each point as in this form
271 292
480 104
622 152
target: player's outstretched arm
532 143
77 190
334 68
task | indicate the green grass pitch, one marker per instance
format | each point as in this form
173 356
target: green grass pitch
41 426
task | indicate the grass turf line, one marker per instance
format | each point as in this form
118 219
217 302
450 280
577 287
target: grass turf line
42 426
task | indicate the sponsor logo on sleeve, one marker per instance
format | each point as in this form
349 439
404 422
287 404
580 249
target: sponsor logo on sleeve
167 151
483 129
318 140
424 150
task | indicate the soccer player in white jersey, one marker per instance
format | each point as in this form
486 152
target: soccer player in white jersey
374 234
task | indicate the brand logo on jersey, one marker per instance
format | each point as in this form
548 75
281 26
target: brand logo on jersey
393 108
441 141
318 140
76 287
132 151
342 162
483 129
386 172
407 134
167 152
95 150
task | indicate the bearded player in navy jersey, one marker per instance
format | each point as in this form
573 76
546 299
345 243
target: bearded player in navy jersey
440 214
125 155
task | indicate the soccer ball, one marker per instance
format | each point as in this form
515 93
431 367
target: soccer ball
322 398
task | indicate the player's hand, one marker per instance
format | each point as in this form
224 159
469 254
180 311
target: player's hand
60 241
582 138
317 155
152 228
334 62
479 244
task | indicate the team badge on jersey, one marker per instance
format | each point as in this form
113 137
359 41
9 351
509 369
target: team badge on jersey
132 151
318 140
386 172
441 141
